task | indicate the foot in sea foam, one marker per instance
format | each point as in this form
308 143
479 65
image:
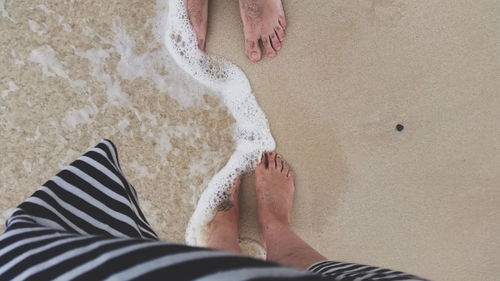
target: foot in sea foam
263 20
224 228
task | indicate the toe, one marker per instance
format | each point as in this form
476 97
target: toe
289 174
275 42
280 32
285 167
266 160
279 163
253 50
282 21
262 163
270 52
202 44
272 160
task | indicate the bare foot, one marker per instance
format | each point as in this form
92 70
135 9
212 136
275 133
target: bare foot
198 15
263 20
275 189
225 227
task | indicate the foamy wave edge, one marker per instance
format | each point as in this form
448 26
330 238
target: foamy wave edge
252 135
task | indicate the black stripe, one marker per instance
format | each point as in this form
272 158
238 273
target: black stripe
91 210
53 271
99 176
115 152
299 278
192 269
68 215
320 265
102 145
26 246
129 189
334 266
18 223
130 259
97 194
43 212
4 242
109 183
38 258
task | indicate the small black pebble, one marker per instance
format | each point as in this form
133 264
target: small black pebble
399 127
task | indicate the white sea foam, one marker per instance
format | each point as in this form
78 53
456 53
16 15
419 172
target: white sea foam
35 27
3 12
251 132
51 65
12 87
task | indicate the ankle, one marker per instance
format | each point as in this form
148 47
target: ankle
273 228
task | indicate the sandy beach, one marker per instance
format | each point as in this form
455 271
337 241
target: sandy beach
424 199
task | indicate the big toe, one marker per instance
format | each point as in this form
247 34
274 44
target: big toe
198 15
253 50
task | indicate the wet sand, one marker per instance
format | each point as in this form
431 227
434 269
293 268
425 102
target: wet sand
424 200
75 73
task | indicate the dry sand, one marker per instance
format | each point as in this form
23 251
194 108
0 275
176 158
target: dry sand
424 200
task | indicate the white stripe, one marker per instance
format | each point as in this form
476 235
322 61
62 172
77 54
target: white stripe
253 272
357 271
117 167
49 224
110 193
40 202
113 153
19 258
103 153
16 217
19 243
101 259
16 220
327 262
80 214
165 261
112 176
94 202
10 233
336 267
97 185
148 231
37 221
101 168
63 257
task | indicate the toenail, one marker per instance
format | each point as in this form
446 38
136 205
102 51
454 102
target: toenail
254 55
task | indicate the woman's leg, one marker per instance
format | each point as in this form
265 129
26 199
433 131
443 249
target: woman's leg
275 189
225 227
85 224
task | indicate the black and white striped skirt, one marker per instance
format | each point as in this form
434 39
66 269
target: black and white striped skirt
85 223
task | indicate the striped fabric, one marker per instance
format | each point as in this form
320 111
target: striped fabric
86 224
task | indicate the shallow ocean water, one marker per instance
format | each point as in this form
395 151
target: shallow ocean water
76 72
